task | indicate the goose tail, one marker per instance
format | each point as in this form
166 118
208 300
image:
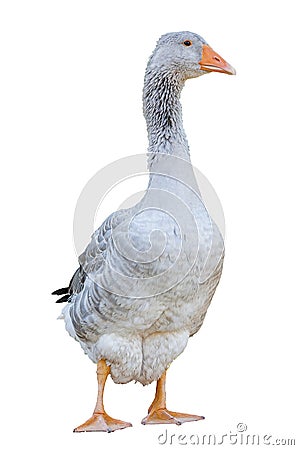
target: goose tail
62 291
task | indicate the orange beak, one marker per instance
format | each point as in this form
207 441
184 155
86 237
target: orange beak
212 62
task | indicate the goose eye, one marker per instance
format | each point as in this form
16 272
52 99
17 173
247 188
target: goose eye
187 43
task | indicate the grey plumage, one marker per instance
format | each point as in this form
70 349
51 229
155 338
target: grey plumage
136 299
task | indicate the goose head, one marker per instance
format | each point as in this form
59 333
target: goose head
188 55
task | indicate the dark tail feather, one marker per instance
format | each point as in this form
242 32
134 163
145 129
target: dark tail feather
63 299
76 285
61 291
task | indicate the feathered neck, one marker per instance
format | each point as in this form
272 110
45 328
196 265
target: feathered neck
168 151
163 112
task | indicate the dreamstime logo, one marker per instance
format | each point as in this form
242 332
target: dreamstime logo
156 243
241 427
238 437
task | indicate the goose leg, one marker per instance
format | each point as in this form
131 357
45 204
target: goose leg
100 421
158 413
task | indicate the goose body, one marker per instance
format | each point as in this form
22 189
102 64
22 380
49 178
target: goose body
140 336
149 273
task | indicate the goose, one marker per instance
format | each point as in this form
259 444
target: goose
148 275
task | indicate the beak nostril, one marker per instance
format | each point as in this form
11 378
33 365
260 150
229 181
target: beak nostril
217 59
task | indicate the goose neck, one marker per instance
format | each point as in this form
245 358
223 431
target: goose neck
163 113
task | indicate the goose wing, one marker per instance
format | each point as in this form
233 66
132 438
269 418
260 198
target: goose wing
90 260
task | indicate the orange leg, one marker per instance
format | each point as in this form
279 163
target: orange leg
158 413
100 421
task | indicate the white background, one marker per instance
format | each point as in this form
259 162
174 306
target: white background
71 82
